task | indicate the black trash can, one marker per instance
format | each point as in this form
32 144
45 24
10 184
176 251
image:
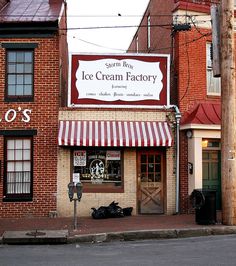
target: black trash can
204 202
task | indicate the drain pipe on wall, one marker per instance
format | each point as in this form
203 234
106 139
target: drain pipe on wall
177 119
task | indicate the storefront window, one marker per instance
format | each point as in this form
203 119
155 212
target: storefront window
98 168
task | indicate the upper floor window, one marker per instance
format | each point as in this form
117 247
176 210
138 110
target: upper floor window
19 74
19 71
149 31
213 84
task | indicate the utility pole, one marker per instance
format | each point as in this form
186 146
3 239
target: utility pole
228 123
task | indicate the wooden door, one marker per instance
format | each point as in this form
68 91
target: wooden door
211 173
150 182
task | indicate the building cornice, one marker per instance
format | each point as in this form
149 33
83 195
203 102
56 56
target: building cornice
28 29
200 126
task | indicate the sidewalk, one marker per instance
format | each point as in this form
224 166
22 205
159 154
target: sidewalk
126 228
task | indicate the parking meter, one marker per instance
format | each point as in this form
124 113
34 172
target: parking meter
75 188
71 190
79 188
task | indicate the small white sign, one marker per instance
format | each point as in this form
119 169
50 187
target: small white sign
79 158
76 177
113 155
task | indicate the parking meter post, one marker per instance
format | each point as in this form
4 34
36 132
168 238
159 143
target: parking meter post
75 214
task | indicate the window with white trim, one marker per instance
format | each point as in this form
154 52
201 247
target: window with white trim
18 168
213 84
149 31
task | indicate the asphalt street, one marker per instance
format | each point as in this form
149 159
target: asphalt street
212 250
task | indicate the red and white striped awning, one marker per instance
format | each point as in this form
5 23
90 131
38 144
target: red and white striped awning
114 134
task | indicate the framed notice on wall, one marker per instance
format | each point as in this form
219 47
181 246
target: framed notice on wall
118 80
76 177
79 158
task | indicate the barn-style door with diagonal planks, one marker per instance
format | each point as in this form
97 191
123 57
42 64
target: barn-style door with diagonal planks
150 182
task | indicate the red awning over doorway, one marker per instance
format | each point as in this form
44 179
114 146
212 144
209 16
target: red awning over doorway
207 113
114 134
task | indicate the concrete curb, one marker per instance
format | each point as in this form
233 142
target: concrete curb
35 237
151 234
62 237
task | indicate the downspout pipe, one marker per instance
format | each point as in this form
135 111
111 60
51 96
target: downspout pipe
177 120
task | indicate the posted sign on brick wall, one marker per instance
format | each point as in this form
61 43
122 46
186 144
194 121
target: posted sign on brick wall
119 80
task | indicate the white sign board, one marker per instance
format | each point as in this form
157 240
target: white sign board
119 80
112 80
76 177
79 158
113 155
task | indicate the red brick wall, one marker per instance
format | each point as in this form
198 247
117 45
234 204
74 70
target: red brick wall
44 118
161 27
160 35
183 172
190 58
190 70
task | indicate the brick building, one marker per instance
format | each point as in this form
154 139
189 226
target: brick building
183 29
33 79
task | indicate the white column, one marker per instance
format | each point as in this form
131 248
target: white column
195 157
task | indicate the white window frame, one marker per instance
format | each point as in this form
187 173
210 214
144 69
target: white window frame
148 31
213 84
18 172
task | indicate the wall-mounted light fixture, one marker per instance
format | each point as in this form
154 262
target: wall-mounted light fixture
189 134
190 168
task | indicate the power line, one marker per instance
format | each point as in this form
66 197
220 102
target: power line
145 50
182 44
127 26
195 26
116 27
101 46
188 76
